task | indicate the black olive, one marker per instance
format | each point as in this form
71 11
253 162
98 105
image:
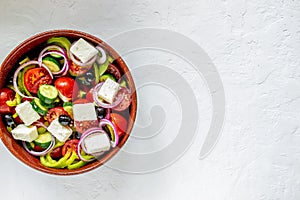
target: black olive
77 135
10 80
90 77
64 120
101 112
9 121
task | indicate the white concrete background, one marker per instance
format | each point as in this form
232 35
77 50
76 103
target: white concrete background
254 44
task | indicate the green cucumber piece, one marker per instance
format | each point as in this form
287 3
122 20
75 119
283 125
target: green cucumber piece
30 145
43 140
106 76
47 93
51 63
38 107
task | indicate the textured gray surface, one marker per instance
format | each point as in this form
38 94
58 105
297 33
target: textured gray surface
255 45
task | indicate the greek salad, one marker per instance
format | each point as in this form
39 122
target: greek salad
66 102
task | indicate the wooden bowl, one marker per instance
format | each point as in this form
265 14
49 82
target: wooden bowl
14 146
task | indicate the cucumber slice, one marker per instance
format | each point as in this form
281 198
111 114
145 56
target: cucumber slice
43 140
30 145
47 94
51 63
38 107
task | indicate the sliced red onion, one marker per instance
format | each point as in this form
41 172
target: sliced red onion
51 48
22 67
108 111
40 124
103 58
64 69
104 122
80 146
119 97
40 153
87 65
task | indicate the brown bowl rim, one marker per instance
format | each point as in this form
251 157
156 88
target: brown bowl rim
28 44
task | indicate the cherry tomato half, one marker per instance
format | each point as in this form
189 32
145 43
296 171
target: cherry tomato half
125 103
113 70
70 145
66 86
120 122
75 70
35 77
54 113
6 94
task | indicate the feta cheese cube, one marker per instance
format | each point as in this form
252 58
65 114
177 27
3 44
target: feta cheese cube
22 132
62 133
96 143
83 50
84 112
108 90
26 113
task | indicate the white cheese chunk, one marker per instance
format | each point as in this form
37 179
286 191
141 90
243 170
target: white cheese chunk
84 112
96 143
22 132
62 133
26 113
83 50
108 90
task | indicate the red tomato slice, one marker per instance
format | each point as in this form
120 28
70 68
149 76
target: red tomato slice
66 86
125 103
89 95
35 77
75 70
54 113
120 122
70 145
113 70
6 94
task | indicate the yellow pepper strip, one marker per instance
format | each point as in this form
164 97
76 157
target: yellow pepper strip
49 162
76 165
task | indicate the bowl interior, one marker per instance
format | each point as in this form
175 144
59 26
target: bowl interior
12 60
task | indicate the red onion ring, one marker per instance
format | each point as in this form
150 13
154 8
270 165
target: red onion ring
83 137
119 97
22 67
51 47
38 123
104 122
87 65
42 153
64 69
103 58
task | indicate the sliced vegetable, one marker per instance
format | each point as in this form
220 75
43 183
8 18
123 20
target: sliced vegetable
38 107
35 77
36 153
44 140
47 93
115 135
51 63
